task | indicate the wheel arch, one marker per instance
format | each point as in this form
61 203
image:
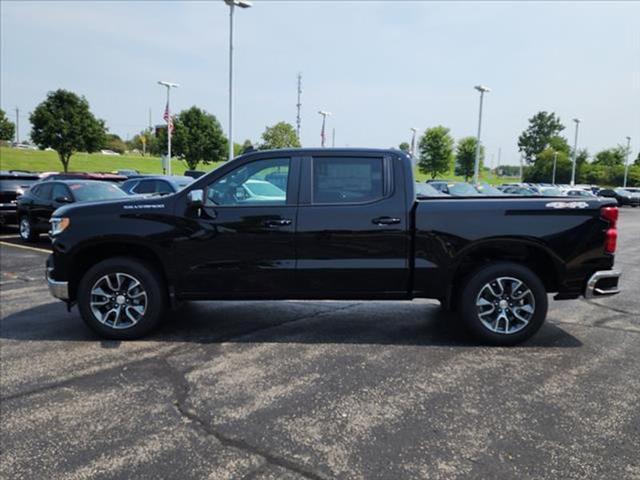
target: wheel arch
90 255
531 254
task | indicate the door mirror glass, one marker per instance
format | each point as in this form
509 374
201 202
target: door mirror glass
63 199
195 198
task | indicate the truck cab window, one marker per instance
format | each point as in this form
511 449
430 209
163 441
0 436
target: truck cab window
263 182
347 180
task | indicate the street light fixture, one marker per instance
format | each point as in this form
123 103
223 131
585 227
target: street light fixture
167 118
324 121
232 4
476 169
413 142
575 153
626 162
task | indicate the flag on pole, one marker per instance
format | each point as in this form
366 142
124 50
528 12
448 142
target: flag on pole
167 118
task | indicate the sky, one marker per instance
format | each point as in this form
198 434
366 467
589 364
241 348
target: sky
379 67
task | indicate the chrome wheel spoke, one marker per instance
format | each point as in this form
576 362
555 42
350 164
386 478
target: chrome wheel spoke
118 300
505 305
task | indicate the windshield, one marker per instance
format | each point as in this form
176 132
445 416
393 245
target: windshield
426 190
622 191
264 189
84 192
463 190
487 189
551 192
13 184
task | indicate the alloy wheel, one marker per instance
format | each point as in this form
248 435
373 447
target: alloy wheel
118 300
25 228
505 305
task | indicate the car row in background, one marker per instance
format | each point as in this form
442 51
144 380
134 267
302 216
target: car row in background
155 185
35 207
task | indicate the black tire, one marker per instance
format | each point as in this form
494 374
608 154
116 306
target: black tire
155 298
499 275
26 230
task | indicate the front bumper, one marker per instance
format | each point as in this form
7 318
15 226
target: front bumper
602 284
56 288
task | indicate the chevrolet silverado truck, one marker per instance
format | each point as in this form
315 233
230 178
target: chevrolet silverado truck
330 224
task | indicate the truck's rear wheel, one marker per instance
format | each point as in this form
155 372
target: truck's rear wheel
121 298
503 304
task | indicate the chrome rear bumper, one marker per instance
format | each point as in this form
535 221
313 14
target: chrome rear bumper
602 283
57 289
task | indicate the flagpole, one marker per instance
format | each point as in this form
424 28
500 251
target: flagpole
167 117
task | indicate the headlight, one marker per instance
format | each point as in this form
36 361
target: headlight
59 225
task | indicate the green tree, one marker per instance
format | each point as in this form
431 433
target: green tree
197 138
466 157
610 157
7 128
281 135
405 147
64 122
436 151
542 170
543 126
637 161
115 143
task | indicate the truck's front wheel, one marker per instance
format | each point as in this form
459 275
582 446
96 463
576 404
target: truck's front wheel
503 304
121 298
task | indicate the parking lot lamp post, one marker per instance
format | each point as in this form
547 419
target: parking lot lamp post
476 169
555 162
324 123
413 142
232 5
167 118
575 153
626 162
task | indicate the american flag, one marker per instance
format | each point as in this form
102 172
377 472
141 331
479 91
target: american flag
167 118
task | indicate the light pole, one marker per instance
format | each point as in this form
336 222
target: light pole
626 162
324 122
575 153
232 4
413 142
167 118
555 161
476 169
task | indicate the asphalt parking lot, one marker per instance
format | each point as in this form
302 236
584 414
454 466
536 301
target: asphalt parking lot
287 390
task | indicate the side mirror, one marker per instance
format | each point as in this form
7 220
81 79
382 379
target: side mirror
195 198
63 199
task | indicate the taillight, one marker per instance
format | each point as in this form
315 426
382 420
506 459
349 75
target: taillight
610 214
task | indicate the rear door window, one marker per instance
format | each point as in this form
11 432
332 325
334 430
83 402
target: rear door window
145 186
60 190
347 180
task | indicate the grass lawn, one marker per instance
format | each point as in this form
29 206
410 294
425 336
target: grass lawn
41 161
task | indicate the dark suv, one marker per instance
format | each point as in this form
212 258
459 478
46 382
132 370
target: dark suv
13 183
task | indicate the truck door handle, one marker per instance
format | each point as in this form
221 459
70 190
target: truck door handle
280 222
385 221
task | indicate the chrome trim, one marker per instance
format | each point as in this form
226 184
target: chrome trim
591 291
57 289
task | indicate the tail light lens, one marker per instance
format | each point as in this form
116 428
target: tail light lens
610 214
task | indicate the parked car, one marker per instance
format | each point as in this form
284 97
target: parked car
155 185
518 191
35 207
458 189
127 172
348 226
194 173
552 192
104 177
578 192
425 190
13 183
486 189
624 197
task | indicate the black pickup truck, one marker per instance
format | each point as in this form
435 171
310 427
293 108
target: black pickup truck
330 224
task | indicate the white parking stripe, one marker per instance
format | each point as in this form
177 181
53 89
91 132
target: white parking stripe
25 247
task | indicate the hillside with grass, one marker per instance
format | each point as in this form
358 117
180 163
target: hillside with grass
47 161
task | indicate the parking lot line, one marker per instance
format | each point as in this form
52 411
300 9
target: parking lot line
25 247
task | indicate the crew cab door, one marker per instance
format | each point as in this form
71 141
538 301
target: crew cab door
353 231
243 244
